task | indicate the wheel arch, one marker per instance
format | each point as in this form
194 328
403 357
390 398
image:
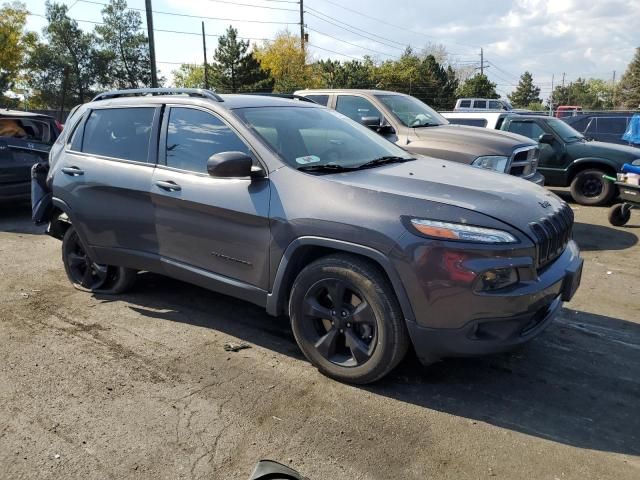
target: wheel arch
305 250
609 166
62 217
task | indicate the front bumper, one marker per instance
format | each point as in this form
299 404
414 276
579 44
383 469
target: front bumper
456 322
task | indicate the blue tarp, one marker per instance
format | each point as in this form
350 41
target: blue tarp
632 135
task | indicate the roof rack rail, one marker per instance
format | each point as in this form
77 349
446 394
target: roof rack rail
140 92
289 96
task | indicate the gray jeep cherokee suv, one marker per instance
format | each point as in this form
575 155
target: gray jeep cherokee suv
298 209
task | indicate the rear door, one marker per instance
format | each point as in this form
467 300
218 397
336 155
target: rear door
24 141
218 225
105 178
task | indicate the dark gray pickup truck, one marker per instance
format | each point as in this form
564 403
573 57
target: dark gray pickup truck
417 128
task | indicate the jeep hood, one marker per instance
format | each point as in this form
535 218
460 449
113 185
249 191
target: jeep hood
473 141
504 197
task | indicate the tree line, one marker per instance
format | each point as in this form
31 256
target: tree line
65 65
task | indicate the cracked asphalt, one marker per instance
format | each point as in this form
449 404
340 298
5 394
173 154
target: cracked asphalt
140 386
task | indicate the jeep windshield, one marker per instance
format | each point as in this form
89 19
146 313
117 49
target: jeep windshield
411 112
320 140
568 133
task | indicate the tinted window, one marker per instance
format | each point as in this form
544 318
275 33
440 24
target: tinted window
473 122
193 136
356 107
30 129
495 105
321 99
528 129
465 104
480 104
411 111
119 133
615 125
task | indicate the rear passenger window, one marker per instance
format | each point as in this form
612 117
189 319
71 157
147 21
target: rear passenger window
465 104
122 133
480 104
193 136
495 105
321 99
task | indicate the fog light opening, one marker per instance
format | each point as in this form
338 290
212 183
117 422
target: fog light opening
496 279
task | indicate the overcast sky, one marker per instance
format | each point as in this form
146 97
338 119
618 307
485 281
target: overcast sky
578 38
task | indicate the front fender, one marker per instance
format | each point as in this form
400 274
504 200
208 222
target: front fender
277 298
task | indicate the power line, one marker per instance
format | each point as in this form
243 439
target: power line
333 51
403 28
402 45
199 17
256 6
349 43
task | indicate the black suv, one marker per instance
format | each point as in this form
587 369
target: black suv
25 139
300 210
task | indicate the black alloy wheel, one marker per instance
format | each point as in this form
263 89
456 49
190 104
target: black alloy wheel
339 322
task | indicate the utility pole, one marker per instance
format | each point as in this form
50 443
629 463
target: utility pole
65 81
302 25
613 88
206 67
563 74
481 61
553 75
152 44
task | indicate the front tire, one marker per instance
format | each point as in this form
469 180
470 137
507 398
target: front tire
589 188
347 320
88 276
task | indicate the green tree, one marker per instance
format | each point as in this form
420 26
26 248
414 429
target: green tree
287 64
189 76
525 93
628 92
234 69
478 86
67 62
351 74
590 94
14 43
124 49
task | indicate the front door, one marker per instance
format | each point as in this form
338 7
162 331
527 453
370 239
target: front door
217 225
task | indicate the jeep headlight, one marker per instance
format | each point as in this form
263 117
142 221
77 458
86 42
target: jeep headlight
492 162
459 231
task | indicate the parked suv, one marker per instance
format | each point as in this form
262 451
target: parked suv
475 104
603 127
25 139
568 159
298 209
415 127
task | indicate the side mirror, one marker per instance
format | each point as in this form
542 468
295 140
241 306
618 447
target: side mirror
546 138
371 122
230 165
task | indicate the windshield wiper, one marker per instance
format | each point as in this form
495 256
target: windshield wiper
426 125
384 160
327 168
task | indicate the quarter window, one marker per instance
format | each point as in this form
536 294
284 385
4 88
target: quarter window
356 108
193 136
321 99
495 105
122 133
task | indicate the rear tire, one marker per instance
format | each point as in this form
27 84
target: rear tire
347 320
619 215
88 276
589 188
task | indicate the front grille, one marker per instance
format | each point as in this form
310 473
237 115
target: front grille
552 234
524 162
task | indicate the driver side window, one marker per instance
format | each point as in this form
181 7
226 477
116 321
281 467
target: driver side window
194 135
528 129
356 108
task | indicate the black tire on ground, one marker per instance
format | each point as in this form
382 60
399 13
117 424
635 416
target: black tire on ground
589 188
86 275
347 320
619 215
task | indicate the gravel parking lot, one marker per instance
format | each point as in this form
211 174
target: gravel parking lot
140 386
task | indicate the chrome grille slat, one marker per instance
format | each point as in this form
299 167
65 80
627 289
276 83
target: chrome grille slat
524 162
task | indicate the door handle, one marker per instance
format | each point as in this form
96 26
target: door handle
169 186
73 171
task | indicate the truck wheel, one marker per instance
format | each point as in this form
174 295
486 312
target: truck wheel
589 188
619 215
88 276
347 320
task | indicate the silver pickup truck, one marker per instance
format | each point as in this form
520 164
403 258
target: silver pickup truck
417 128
